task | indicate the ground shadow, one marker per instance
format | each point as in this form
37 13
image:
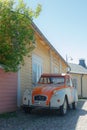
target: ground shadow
46 119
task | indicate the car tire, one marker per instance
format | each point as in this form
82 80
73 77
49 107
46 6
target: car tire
74 105
28 110
63 108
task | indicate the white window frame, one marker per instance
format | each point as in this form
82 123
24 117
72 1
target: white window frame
38 62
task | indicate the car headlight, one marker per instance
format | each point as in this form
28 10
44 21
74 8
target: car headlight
54 92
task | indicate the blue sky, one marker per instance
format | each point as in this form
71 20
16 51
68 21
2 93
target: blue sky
64 23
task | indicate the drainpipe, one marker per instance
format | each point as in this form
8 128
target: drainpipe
82 85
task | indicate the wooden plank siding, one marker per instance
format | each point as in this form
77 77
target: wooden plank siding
78 78
8 91
58 63
84 86
26 75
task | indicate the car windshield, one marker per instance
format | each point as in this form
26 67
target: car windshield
51 80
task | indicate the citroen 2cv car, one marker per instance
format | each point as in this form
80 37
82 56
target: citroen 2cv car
54 91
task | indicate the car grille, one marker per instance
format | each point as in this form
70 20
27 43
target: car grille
40 98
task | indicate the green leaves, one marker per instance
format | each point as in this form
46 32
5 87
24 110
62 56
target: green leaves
16 33
22 8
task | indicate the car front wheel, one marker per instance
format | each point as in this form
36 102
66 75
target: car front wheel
63 108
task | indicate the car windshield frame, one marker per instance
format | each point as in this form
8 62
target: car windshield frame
52 80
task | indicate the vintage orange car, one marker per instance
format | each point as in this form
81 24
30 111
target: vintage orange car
54 91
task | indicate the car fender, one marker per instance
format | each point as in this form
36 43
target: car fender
57 98
27 97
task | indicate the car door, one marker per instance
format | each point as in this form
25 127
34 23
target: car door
70 90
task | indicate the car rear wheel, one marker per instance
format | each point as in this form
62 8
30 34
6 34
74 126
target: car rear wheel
63 108
74 105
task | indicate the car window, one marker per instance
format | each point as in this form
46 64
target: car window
57 80
69 82
44 80
51 80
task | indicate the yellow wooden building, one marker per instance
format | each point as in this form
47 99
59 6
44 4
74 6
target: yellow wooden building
44 59
79 75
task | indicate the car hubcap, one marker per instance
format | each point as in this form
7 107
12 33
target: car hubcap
65 107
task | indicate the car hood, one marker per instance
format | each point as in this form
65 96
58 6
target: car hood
46 90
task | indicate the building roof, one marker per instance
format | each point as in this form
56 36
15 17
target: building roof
47 42
77 69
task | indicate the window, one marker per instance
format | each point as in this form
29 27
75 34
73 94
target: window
75 82
36 69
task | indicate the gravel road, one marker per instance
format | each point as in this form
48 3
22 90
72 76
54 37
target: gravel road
48 120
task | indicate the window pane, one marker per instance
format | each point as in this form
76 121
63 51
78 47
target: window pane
37 71
34 73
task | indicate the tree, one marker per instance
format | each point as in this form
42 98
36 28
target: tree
16 33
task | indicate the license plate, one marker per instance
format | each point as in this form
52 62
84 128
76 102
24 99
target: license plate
39 103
